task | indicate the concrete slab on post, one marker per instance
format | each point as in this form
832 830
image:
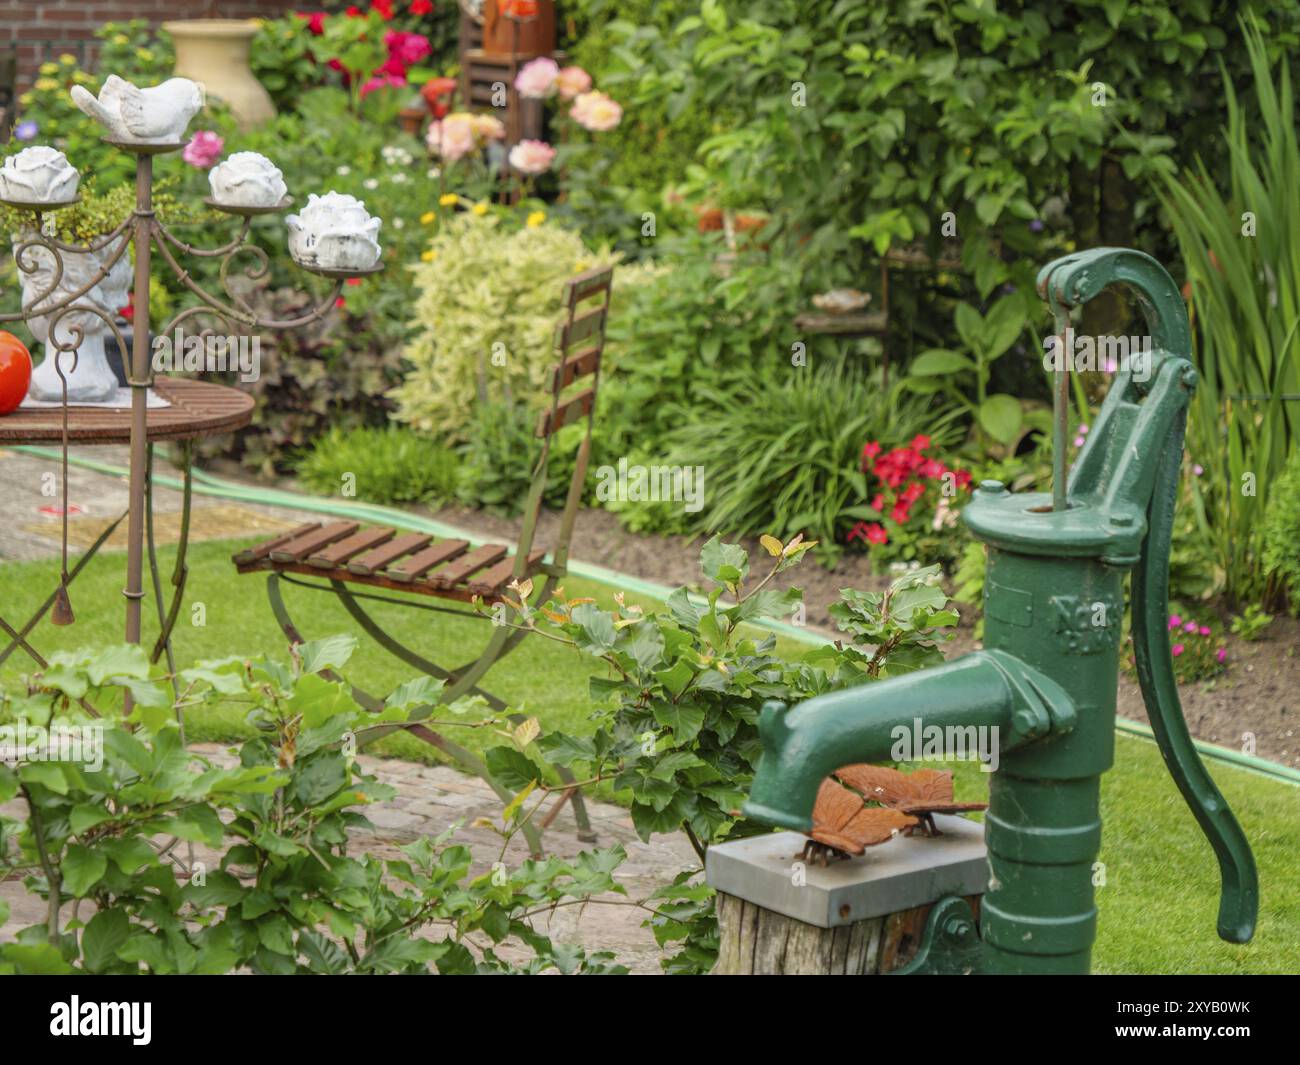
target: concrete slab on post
903 874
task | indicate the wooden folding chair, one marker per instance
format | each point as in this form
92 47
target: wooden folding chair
346 554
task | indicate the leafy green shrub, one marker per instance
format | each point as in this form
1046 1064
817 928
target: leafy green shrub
390 465
1242 252
286 895
487 304
781 449
501 452
1281 533
330 374
677 709
685 327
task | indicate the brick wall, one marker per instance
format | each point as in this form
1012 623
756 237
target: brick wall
38 30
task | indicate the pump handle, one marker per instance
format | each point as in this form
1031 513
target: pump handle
1069 282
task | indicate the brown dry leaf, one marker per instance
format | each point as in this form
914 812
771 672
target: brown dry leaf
934 785
925 791
835 806
876 782
868 827
841 821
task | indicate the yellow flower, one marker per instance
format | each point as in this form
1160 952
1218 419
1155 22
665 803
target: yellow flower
536 219
121 38
68 59
145 54
49 68
480 209
45 84
427 217
428 256
25 99
448 199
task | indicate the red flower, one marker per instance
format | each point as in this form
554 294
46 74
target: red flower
933 469
354 12
878 504
913 492
353 281
920 442
900 513
870 450
963 478
340 302
421 7
520 9
384 7
876 533
315 21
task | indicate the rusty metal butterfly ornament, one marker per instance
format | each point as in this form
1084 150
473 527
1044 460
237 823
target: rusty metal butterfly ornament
845 822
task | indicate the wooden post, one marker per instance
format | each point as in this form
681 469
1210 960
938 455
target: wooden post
779 914
759 942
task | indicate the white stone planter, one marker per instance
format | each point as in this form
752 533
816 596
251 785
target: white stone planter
92 379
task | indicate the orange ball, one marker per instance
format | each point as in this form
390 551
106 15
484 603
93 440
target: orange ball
15 372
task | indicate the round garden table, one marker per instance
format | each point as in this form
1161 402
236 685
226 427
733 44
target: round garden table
197 409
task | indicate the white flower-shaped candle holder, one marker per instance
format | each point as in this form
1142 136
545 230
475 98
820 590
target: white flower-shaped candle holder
334 234
134 116
39 176
247 181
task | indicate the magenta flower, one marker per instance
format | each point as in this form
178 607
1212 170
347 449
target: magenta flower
1078 441
1083 429
382 81
1174 621
1190 627
203 150
1198 469
1177 649
1204 630
407 48
1221 655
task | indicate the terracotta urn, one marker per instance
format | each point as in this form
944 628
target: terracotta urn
215 52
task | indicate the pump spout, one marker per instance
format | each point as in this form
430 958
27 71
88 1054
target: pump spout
985 689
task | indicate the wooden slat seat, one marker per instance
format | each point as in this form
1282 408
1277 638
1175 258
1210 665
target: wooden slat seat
386 558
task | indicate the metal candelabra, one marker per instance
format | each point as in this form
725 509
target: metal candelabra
143 233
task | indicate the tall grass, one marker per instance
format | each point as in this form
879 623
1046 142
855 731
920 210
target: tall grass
1245 308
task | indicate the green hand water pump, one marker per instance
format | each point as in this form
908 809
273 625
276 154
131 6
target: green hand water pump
1046 679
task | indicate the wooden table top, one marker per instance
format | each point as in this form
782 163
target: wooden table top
198 408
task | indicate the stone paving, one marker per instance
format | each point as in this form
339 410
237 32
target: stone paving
430 799
32 495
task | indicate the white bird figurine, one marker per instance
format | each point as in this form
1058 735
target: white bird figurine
142 116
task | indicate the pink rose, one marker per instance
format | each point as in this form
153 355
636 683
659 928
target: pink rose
596 111
532 157
203 150
407 48
537 78
452 138
572 81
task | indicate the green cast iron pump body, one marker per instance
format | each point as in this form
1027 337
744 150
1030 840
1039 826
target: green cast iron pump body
1047 678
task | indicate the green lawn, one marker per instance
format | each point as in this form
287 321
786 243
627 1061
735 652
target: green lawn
1158 905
